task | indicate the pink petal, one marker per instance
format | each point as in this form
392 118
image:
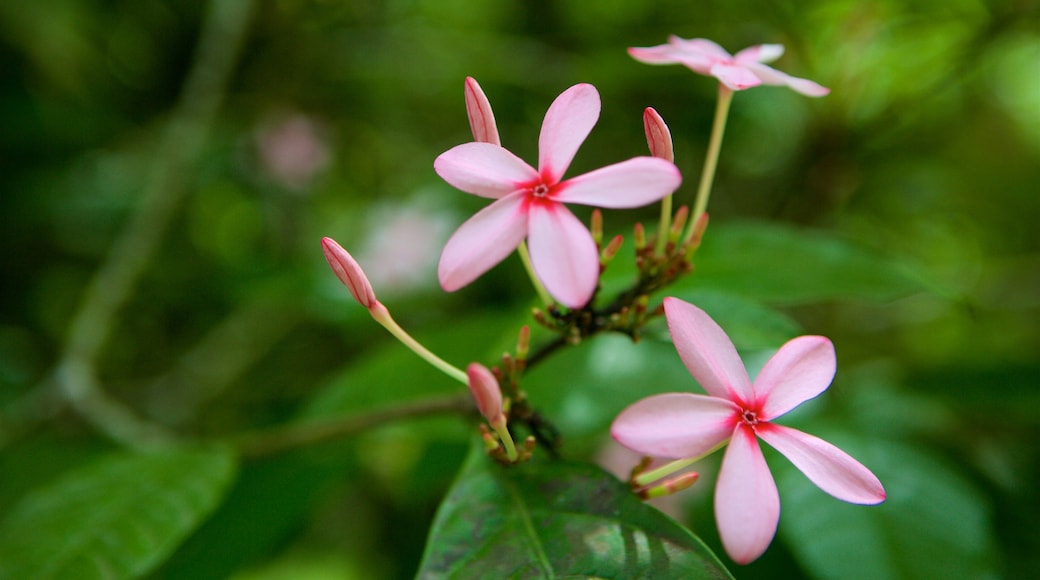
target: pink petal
485 390
759 53
830 468
771 76
675 425
483 241
349 272
700 46
661 54
633 183
747 506
735 76
481 117
658 137
563 254
484 169
707 352
802 369
567 123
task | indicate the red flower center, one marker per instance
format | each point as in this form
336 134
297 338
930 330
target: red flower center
749 417
540 190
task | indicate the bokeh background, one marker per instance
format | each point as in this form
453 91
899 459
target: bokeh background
167 170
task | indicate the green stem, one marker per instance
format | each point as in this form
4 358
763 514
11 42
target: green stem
648 477
543 294
382 316
711 160
666 224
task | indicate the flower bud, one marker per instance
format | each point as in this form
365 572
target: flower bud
481 118
486 392
349 272
658 137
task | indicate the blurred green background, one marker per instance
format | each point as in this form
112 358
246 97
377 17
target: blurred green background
168 169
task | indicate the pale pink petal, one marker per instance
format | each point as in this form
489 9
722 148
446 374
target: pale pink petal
633 183
747 506
707 352
484 169
481 117
771 76
661 54
483 241
759 53
563 254
567 123
830 468
735 76
701 46
802 369
675 425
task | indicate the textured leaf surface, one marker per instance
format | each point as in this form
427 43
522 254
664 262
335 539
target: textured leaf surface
781 264
118 517
556 520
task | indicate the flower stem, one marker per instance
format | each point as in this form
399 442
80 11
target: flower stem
543 294
711 160
666 221
382 316
648 477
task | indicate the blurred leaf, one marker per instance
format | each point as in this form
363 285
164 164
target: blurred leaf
932 525
780 264
116 518
544 520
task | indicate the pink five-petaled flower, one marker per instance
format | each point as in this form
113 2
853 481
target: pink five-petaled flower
742 71
685 425
529 202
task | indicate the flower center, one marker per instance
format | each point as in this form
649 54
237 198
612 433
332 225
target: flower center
749 417
540 190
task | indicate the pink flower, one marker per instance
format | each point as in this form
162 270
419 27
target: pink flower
349 273
486 393
681 425
738 72
529 202
481 117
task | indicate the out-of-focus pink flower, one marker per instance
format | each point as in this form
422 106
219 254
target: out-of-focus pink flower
682 425
486 393
349 272
658 137
481 117
741 71
529 202
293 151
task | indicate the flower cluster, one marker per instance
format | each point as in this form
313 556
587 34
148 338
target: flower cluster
529 215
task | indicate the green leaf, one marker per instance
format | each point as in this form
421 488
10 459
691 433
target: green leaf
118 517
780 264
933 524
556 519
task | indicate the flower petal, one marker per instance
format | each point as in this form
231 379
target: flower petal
707 352
830 468
633 183
658 137
481 117
771 76
563 254
735 76
759 53
484 169
483 241
660 54
567 123
802 369
349 272
700 46
675 425
747 506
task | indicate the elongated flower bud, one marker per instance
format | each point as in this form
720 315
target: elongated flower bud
481 118
486 392
349 272
658 137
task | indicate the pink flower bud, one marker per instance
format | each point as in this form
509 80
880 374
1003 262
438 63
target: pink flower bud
486 392
481 118
658 137
349 272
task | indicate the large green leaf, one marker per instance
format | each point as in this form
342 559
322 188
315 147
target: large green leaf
556 519
780 264
118 517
